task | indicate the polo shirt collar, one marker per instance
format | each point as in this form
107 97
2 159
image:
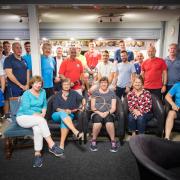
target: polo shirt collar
176 59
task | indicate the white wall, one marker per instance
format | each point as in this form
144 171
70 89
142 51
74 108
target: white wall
83 25
101 25
171 34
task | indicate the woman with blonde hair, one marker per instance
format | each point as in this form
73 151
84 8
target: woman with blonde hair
31 114
140 105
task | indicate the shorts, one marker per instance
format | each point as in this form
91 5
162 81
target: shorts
96 118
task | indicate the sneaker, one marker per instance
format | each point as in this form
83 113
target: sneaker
56 150
37 161
93 146
114 147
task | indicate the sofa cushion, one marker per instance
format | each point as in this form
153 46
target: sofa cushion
14 130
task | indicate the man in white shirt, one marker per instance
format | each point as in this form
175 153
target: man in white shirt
107 69
58 60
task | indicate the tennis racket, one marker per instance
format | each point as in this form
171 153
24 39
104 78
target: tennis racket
100 104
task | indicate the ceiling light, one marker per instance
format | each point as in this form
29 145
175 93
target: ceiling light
44 39
100 39
111 17
20 20
17 39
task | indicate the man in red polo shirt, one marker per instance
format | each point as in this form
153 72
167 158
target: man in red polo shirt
92 58
72 68
154 71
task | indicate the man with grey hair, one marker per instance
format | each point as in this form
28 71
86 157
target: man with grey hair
17 72
173 65
47 69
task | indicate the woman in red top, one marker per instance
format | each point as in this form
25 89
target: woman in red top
140 104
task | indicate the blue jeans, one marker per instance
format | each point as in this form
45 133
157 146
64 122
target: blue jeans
14 106
138 123
59 117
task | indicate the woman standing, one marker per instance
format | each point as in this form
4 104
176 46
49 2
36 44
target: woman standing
140 104
31 114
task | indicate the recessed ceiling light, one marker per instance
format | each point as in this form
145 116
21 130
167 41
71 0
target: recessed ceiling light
44 39
17 39
72 38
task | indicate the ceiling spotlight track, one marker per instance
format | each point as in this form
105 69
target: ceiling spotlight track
111 17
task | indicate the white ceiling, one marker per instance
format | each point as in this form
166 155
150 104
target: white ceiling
91 13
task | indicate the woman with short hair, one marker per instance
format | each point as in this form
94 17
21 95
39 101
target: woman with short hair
140 105
31 114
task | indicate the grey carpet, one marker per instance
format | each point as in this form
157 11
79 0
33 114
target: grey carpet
79 164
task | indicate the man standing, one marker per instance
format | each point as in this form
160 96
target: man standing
125 74
6 48
72 68
58 61
92 56
27 56
47 69
138 62
80 56
173 65
122 47
105 68
154 72
17 72
2 73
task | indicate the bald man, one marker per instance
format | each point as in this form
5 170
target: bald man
138 62
17 72
154 72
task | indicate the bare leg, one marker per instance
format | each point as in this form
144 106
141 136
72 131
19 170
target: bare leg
6 107
64 133
96 130
111 131
70 125
169 123
133 133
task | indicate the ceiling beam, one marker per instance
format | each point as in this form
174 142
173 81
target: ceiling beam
123 2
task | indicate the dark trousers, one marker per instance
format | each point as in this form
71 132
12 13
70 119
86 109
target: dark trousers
49 92
138 123
120 92
157 92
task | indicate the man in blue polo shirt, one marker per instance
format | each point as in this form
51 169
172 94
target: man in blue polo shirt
17 72
175 112
117 55
27 56
47 69
173 64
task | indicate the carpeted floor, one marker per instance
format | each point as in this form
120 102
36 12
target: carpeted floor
79 163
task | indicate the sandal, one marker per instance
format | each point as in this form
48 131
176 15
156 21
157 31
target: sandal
80 137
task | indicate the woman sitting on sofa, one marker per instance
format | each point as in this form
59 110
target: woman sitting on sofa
140 104
31 114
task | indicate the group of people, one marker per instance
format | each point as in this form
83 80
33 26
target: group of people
68 77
